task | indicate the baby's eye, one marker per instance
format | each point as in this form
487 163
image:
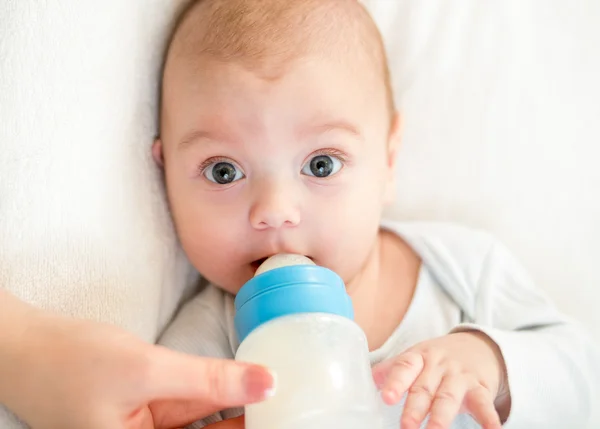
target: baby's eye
322 166
223 173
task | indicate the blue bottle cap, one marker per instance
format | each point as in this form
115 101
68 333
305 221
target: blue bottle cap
290 290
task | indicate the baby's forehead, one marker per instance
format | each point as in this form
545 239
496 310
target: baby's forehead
269 35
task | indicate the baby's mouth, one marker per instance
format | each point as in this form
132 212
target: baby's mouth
257 263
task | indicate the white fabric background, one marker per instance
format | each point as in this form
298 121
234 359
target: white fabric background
83 224
501 103
502 129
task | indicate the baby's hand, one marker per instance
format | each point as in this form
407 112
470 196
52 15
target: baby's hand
458 373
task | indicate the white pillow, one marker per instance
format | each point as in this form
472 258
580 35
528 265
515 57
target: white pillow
84 228
501 104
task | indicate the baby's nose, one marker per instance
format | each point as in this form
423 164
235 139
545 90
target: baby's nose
275 207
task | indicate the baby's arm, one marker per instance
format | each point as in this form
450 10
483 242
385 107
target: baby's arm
552 364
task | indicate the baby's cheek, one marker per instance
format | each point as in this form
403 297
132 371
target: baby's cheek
207 252
351 228
203 235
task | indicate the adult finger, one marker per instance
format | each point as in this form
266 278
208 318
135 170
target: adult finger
479 402
447 402
420 396
395 376
219 383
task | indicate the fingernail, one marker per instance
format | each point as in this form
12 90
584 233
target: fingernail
259 383
269 393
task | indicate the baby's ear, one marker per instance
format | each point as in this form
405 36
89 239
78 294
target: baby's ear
394 140
157 153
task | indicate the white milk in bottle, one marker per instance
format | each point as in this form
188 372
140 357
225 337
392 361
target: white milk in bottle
296 318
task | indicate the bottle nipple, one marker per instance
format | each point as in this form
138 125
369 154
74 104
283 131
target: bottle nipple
282 260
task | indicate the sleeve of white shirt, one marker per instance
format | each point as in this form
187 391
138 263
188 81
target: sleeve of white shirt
553 365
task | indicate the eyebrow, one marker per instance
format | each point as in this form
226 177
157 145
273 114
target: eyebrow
336 125
197 135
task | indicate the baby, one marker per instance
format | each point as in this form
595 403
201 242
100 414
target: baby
279 134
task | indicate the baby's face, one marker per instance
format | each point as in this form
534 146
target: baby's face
299 164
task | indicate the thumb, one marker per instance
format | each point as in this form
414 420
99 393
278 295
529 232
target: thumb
217 382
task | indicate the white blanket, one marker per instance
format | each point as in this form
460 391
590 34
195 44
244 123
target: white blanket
83 226
501 124
502 129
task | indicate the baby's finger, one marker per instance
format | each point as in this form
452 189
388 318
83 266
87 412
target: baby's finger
395 376
447 402
420 397
480 404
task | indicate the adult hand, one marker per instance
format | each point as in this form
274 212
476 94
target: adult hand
62 373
